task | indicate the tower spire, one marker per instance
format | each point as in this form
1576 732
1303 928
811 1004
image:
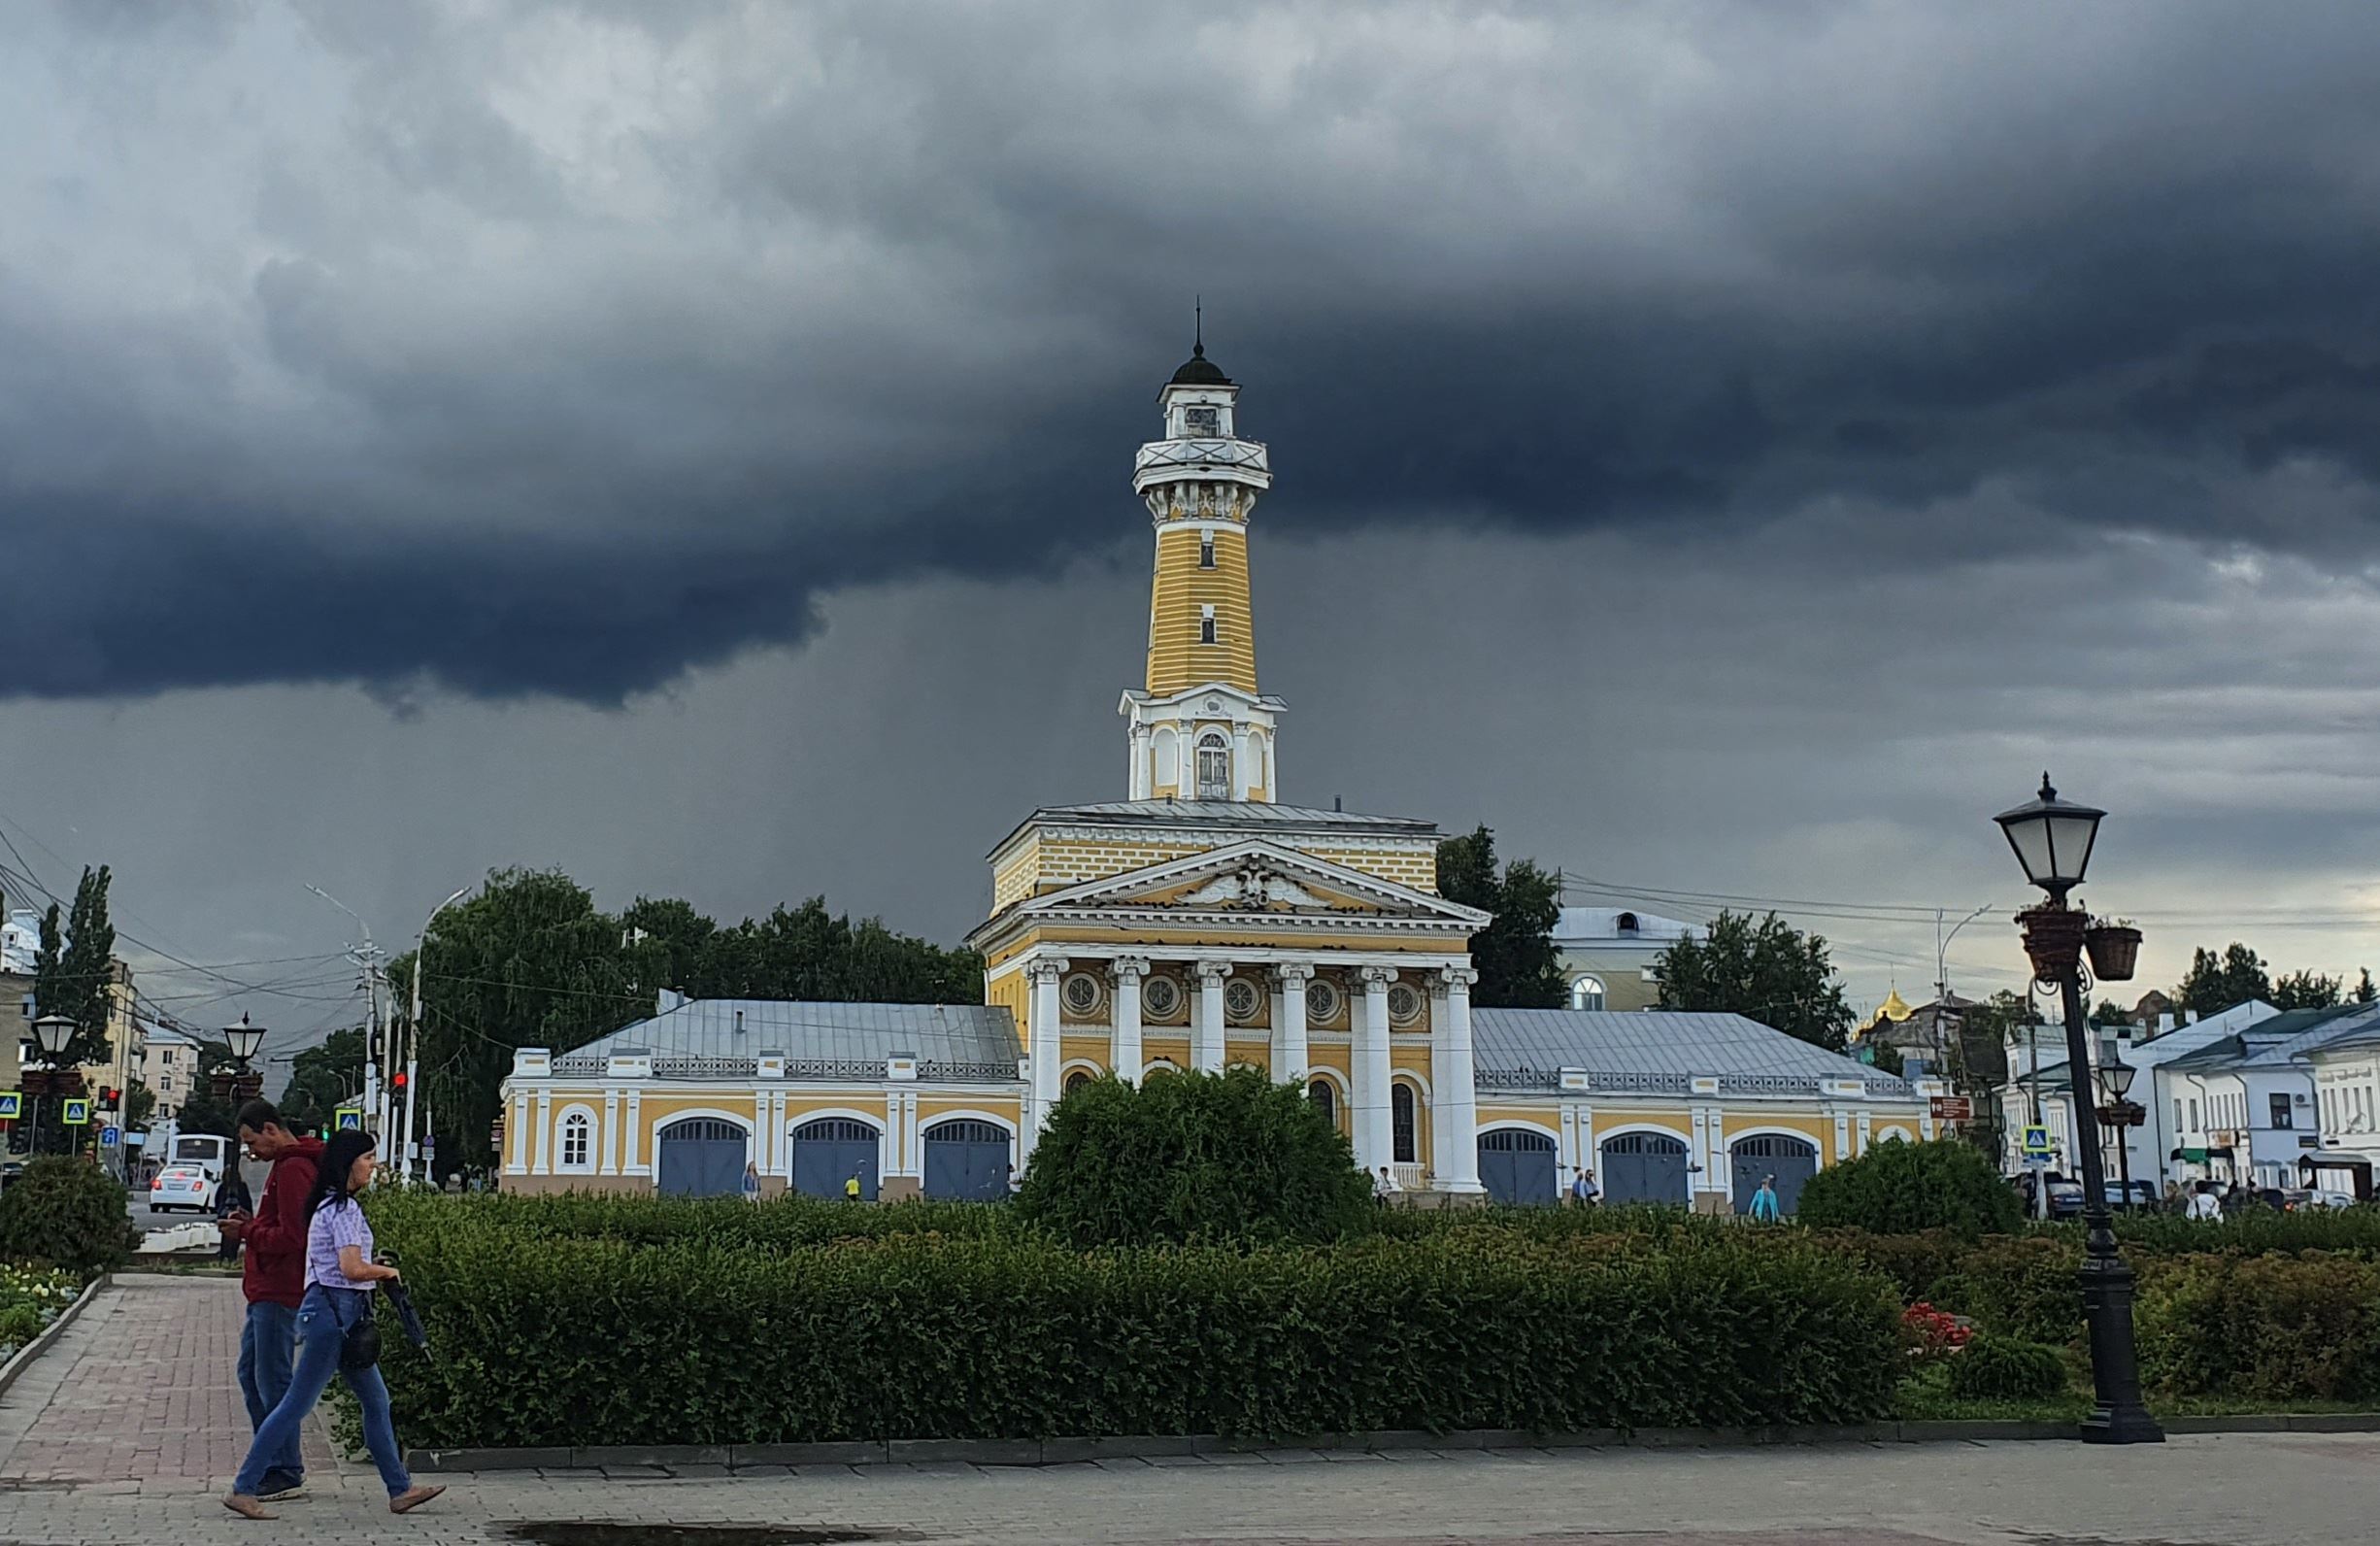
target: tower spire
1198 326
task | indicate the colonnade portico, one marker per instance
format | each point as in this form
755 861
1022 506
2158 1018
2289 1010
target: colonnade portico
1199 1036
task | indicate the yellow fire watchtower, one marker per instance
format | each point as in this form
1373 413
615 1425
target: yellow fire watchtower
1200 729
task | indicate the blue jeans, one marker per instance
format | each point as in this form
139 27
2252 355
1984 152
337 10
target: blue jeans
268 1343
322 1321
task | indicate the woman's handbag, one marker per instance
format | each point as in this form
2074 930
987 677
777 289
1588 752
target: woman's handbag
361 1347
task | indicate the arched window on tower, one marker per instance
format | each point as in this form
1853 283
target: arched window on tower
1587 991
1325 1101
1404 1131
1214 767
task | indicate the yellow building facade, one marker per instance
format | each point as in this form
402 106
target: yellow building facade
1199 922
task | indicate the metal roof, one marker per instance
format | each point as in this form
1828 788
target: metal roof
1658 1050
2280 1040
820 1032
1600 925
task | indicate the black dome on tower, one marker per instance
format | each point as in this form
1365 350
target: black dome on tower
1199 371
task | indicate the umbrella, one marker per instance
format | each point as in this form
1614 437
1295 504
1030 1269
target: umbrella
407 1316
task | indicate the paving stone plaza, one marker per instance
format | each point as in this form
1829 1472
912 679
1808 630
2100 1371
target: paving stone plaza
127 1431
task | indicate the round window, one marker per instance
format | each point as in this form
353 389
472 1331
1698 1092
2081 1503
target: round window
1160 996
1404 1003
1240 1000
1083 993
1324 1000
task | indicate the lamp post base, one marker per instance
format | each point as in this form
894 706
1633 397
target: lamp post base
2119 1418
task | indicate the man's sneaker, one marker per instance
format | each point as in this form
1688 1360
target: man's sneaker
285 1495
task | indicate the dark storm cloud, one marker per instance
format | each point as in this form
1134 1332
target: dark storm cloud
555 349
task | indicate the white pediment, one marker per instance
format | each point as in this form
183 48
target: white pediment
1256 879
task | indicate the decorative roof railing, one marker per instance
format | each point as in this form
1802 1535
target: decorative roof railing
968 1072
1665 1084
870 1069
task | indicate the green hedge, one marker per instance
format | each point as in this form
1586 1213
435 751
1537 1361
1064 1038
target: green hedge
65 1212
598 1341
1900 1188
2264 1328
2007 1369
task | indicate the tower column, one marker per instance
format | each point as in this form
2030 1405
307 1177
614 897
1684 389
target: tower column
1124 1057
1044 1025
1455 1115
1290 1053
1375 1139
1207 1034
1239 762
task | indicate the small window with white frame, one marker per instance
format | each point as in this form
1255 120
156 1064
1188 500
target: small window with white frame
1206 550
1202 419
1587 991
578 1135
1206 624
1214 766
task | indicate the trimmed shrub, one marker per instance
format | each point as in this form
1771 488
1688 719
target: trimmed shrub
1907 1187
20 1324
920 1337
2007 1369
2022 1286
1193 1158
66 1213
2262 1328
2252 1232
789 1223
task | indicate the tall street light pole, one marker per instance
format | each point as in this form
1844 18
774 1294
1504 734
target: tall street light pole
54 1033
413 1030
2053 840
375 1053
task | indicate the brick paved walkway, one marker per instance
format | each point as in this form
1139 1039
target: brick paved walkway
144 1387
125 1433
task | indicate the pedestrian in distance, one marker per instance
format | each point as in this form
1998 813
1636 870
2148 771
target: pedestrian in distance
2202 1204
2175 1201
273 1279
751 1183
1584 1192
1385 1187
335 1330
1013 1181
851 1188
231 1201
1765 1208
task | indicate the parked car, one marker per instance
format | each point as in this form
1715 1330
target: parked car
2294 1199
2140 1197
182 1186
2066 1194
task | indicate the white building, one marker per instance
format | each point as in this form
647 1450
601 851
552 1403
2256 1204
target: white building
169 1067
2244 1107
2346 1071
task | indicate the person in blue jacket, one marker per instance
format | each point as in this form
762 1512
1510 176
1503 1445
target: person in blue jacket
1764 1209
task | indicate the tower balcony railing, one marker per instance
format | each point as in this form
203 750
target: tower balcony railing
1223 460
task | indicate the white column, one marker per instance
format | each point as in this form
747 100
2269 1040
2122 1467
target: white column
1124 1057
1455 1121
634 1133
1289 1054
1207 1037
545 1132
1042 1029
1375 1139
516 1137
1239 762
611 1134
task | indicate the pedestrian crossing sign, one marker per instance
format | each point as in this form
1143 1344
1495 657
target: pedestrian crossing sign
347 1118
2037 1141
78 1112
11 1105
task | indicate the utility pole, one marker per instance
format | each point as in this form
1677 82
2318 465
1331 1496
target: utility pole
413 1030
368 955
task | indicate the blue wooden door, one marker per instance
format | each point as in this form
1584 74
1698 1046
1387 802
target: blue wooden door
1791 1160
829 1152
1516 1167
702 1156
1644 1167
967 1159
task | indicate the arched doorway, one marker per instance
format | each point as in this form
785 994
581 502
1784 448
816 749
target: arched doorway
701 1157
967 1159
1791 1160
829 1152
1644 1167
1517 1166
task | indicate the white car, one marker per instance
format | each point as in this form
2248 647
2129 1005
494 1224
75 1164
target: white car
182 1186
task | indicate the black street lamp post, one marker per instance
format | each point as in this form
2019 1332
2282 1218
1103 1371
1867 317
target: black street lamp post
2053 839
53 1033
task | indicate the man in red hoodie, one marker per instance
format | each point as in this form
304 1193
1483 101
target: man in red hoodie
275 1276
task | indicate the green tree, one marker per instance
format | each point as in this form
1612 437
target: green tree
2307 989
1900 1188
73 969
1193 1158
2217 983
2364 992
2111 1013
1518 966
1763 970
324 1078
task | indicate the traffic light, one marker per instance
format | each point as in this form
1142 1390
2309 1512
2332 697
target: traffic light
396 1082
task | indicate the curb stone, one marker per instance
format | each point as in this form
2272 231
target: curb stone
705 1460
56 1329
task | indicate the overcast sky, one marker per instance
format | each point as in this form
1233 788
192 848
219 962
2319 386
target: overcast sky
1727 450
